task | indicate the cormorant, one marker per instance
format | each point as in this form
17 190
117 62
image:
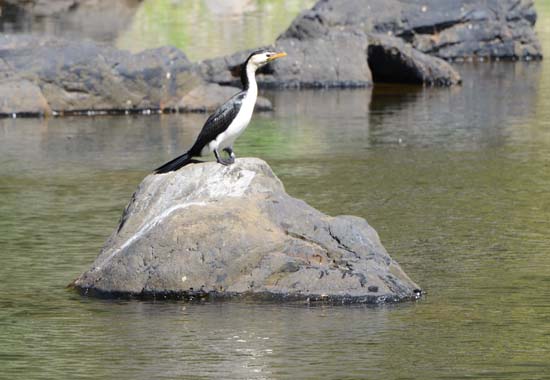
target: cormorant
230 120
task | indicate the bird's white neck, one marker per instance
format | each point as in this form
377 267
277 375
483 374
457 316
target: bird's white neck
251 77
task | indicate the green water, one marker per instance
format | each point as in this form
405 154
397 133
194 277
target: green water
456 181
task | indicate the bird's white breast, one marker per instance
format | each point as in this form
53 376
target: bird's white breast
239 124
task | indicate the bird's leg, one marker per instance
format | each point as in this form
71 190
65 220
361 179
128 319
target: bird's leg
229 151
220 159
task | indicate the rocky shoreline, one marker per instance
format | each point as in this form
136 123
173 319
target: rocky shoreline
52 76
337 43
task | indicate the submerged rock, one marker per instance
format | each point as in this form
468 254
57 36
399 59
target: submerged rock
217 231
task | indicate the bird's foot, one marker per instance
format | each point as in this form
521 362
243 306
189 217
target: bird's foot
222 161
229 151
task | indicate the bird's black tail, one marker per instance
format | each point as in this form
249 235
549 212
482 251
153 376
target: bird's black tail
175 164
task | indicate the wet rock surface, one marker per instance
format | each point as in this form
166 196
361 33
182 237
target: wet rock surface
214 231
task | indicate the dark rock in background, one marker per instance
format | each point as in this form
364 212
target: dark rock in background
43 75
344 43
83 75
328 44
207 97
216 231
336 60
445 28
393 61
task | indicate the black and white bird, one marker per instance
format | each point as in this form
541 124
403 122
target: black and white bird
229 121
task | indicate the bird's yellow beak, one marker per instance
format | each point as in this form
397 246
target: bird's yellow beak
278 55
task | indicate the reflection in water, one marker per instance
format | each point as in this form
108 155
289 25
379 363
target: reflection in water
477 111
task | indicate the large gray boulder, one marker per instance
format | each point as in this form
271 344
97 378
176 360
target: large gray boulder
217 231
339 59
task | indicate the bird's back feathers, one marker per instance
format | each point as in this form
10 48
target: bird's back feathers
218 122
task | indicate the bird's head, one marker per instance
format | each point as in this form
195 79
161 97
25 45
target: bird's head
263 57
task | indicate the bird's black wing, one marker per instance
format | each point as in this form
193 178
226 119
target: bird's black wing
218 122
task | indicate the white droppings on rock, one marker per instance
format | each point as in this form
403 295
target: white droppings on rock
225 181
146 228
